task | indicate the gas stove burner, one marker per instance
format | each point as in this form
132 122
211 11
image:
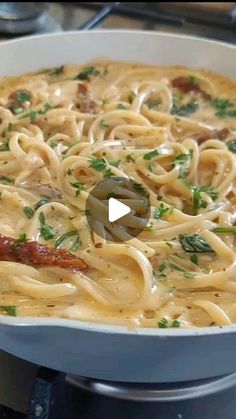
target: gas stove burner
19 18
166 392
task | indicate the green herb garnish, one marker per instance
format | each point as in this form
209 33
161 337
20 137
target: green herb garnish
139 188
198 201
160 211
232 145
114 163
102 124
182 158
194 259
176 267
224 230
188 275
10 310
53 144
29 212
162 267
46 231
41 202
79 186
23 96
150 155
7 180
98 164
69 172
76 245
57 71
194 244
5 146
120 106
108 173
184 110
64 236
224 108
129 158
131 97
33 115
175 323
86 73
164 323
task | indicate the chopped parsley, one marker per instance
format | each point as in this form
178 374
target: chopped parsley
131 97
76 245
129 158
120 106
29 212
79 186
162 267
64 236
194 244
176 267
198 201
98 164
188 275
108 173
102 124
7 180
114 163
57 71
10 310
22 239
160 211
150 155
86 73
232 145
46 231
224 108
182 158
23 96
164 323
192 79
224 230
33 115
184 110
53 144
69 172
139 188
41 202
5 146
194 259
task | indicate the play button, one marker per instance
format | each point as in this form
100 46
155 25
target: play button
116 210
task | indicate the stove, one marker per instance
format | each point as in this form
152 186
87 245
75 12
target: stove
29 391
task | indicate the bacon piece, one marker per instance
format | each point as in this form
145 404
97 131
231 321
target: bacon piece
219 134
37 254
85 101
14 102
186 85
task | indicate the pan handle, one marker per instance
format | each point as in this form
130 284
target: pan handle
154 392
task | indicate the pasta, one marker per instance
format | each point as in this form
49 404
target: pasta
172 132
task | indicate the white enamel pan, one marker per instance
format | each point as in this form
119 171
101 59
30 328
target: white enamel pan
112 352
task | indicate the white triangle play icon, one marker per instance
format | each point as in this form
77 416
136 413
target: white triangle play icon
116 210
